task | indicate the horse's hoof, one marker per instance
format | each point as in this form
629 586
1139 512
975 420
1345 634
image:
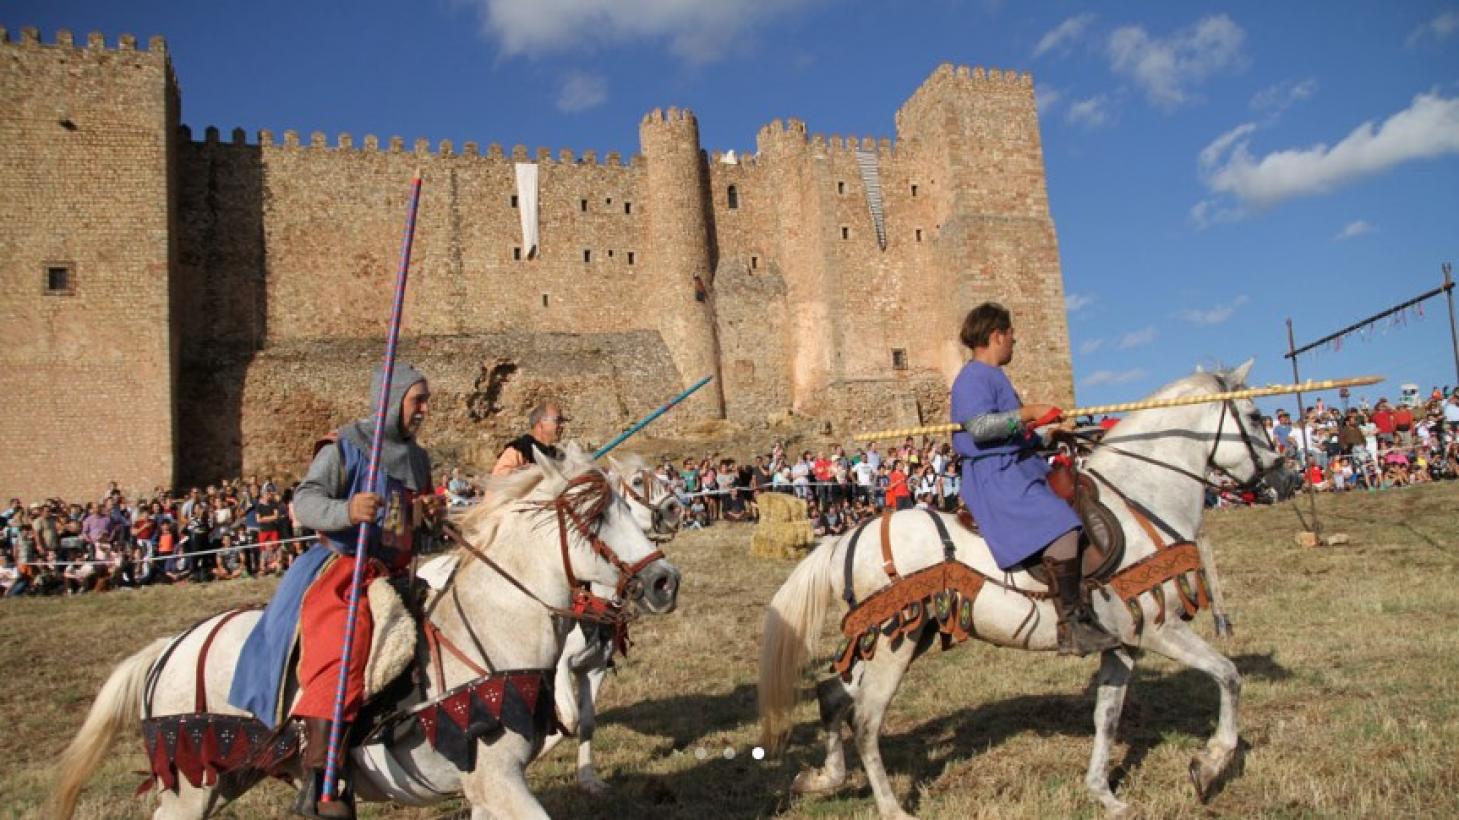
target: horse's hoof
814 781
1201 778
593 786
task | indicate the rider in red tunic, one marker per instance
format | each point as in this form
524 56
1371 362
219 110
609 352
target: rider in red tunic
334 500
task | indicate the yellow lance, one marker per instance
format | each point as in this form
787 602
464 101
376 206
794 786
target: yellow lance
1147 404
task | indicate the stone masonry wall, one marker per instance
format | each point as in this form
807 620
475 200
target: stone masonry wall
84 166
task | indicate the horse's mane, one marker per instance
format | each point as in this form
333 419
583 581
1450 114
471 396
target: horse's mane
480 523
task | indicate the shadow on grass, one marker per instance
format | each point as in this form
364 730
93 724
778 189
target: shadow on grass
1158 705
686 718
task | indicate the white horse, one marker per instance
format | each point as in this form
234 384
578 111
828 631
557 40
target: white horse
587 654
499 612
1156 458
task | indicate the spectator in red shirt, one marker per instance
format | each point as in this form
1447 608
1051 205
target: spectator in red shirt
1403 425
824 473
898 496
1383 420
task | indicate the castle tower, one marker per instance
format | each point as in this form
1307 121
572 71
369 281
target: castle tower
680 263
87 164
976 133
796 192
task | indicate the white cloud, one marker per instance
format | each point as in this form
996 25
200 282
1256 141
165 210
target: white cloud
699 31
1089 346
1428 128
1045 97
1210 212
1077 301
1438 28
1136 338
1063 35
1215 315
1090 113
1352 229
1165 67
580 91
1278 98
1099 377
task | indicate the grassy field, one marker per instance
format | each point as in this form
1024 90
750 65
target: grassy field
1350 655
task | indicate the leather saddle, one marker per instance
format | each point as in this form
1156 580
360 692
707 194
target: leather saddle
1102 542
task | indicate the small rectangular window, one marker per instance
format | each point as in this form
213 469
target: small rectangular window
628 207
587 255
630 257
840 187
610 253
514 200
583 205
516 254
754 262
845 232
544 300
609 201
899 358
60 279
919 234
914 190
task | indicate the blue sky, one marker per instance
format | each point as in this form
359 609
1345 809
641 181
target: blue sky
1213 168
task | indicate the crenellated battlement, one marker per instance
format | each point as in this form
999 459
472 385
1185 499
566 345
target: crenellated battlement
95 41
421 147
669 115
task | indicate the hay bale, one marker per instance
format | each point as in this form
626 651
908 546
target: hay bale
783 531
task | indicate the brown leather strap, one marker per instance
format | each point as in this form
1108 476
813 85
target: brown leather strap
888 563
1147 527
200 683
438 640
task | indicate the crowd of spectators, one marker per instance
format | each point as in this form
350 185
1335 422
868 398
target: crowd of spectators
229 530
1369 447
840 489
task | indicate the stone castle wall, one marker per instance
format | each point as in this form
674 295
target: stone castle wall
274 259
86 139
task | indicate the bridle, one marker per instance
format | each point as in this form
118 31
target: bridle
583 502
659 512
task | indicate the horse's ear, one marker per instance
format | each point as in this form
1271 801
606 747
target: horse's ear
1238 376
615 466
550 468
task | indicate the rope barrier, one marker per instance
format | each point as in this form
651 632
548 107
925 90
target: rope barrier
173 555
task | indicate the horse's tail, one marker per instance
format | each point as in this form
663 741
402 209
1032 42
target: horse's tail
117 704
792 624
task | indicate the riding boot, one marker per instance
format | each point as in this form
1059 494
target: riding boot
314 754
1079 633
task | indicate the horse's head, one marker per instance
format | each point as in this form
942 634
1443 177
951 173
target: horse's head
652 502
602 541
1243 450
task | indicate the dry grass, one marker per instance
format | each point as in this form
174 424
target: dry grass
1350 703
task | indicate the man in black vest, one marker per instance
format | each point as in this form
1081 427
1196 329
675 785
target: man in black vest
546 421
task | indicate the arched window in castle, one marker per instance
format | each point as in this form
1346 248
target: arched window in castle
732 197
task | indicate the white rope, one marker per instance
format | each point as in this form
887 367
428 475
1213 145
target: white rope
172 555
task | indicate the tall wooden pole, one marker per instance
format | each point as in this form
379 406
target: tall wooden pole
1306 432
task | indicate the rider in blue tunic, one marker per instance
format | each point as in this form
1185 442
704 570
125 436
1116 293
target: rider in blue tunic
1005 479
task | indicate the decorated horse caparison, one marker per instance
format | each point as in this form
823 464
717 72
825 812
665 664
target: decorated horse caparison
918 578
479 705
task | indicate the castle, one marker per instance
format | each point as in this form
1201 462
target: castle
179 307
